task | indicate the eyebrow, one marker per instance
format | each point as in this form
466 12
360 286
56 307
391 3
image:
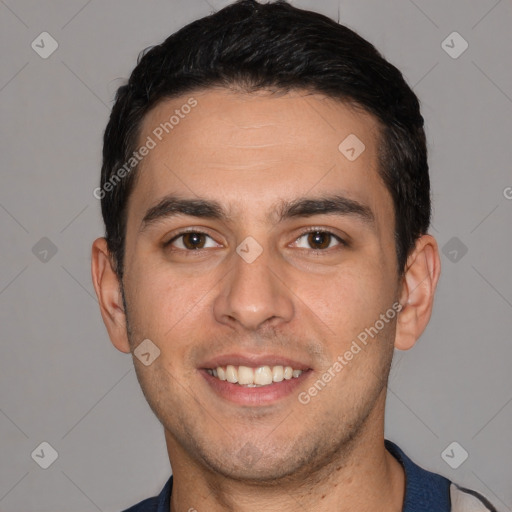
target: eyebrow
172 206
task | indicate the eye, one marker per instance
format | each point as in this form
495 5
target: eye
318 240
191 240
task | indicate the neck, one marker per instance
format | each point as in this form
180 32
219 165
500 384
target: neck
366 478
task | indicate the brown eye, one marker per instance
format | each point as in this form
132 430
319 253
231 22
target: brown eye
192 240
318 240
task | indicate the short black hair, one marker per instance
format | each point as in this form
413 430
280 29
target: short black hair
250 47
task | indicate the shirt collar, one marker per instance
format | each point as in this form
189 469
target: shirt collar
424 491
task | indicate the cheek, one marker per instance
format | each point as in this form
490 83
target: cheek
149 295
348 301
165 305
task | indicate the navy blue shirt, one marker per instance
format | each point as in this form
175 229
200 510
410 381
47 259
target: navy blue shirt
424 492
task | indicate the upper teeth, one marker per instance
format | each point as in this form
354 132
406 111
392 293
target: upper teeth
247 376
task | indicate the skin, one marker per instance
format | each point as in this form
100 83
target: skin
249 152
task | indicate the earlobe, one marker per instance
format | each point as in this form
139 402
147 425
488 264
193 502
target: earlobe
108 291
417 294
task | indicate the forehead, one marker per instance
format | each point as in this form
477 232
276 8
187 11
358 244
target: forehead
253 149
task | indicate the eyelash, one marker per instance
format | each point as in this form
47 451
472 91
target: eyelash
307 232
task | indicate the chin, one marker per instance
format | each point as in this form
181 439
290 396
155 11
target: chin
269 465
261 472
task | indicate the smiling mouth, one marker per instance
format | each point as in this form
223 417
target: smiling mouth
250 377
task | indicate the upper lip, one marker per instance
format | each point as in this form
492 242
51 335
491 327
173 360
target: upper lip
253 360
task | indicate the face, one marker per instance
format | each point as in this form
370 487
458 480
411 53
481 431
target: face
255 244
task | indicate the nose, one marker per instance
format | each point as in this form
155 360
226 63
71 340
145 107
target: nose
254 295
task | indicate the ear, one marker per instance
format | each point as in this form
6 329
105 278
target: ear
108 291
417 292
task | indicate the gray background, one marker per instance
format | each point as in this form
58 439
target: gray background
62 382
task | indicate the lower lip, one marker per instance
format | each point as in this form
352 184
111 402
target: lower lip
262 395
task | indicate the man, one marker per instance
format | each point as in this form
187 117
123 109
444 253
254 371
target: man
266 198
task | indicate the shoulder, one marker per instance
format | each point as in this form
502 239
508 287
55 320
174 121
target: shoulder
160 503
148 505
466 500
426 491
